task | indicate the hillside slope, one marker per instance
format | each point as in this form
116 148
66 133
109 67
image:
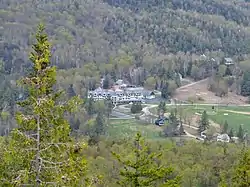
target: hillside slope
145 42
84 31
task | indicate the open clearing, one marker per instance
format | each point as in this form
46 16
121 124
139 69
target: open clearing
199 89
128 129
119 129
235 115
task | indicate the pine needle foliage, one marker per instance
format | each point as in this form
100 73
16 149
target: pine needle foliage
40 150
144 168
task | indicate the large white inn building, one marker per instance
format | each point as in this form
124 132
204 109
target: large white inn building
122 96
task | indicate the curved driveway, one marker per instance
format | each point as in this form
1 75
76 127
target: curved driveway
146 111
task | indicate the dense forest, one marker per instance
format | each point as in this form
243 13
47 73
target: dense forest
47 141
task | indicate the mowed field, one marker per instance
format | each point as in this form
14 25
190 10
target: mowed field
127 129
199 90
118 128
235 115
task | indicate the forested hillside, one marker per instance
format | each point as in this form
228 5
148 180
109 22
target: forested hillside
52 140
89 33
143 42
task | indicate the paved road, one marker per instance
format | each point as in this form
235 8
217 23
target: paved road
120 115
146 111
191 84
207 104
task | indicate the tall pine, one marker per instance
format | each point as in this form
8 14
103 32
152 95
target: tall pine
225 127
144 168
203 122
240 133
241 177
40 150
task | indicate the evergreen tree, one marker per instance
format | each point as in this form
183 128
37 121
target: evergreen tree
240 133
204 122
136 108
231 133
181 130
71 91
228 71
156 85
164 91
143 169
109 106
241 176
106 83
40 151
100 124
113 75
225 127
170 129
189 68
245 85
77 124
98 128
90 107
162 107
173 119
223 182
177 80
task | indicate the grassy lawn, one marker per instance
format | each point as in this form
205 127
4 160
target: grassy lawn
233 119
218 115
128 128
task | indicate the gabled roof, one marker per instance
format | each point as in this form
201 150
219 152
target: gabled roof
228 60
223 137
148 93
99 89
119 82
135 89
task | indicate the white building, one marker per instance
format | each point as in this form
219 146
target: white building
228 61
223 138
122 96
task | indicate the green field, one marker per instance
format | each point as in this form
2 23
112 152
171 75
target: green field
128 128
218 115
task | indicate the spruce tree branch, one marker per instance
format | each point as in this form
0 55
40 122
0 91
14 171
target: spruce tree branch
27 136
53 183
52 163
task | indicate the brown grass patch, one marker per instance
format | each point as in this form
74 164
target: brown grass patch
199 89
237 112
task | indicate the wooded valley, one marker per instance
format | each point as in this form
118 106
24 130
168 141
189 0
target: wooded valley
47 140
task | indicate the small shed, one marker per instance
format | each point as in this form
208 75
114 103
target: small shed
119 82
228 61
149 94
223 138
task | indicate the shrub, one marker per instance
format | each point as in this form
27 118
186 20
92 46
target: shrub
136 108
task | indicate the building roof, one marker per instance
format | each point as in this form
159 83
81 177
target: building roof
148 93
100 91
119 81
134 89
123 85
228 60
223 137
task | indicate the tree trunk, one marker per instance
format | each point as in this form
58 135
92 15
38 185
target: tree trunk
38 160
